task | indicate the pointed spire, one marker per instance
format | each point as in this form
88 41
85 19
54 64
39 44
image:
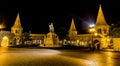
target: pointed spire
17 23
100 18
72 27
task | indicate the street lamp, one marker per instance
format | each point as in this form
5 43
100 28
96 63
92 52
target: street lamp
92 25
92 30
1 27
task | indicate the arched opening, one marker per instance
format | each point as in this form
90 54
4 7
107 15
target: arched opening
5 41
97 44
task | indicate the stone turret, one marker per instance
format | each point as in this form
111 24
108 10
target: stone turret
72 31
101 26
17 30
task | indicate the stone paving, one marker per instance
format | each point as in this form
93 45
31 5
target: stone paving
57 57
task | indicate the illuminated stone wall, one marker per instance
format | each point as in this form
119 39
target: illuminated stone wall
51 40
17 30
6 34
116 44
101 28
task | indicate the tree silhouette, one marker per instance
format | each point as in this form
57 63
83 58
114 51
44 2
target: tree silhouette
115 30
62 32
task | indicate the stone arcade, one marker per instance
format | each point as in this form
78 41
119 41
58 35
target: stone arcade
51 39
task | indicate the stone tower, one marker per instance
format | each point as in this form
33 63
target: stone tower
17 30
72 31
101 27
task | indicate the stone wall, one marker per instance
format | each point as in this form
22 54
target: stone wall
7 34
116 44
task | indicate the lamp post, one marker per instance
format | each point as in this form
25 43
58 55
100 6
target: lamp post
1 27
92 44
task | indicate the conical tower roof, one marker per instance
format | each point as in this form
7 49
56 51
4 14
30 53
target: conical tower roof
72 27
100 18
17 23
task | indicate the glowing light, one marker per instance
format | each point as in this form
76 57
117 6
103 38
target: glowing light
50 52
96 34
4 37
108 39
92 30
109 59
92 25
92 63
2 26
77 41
5 41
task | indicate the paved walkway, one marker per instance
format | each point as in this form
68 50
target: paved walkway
108 50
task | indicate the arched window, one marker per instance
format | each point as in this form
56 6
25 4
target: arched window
99 30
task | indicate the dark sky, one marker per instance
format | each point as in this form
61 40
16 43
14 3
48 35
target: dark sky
35 15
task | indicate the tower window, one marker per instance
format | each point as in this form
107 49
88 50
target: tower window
99 30
16 31
104 30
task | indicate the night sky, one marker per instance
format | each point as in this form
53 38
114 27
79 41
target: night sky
35 15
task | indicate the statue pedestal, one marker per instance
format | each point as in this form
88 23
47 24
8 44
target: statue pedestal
51 40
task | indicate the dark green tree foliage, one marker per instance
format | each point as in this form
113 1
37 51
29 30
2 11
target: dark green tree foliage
62 31
27 36
115 30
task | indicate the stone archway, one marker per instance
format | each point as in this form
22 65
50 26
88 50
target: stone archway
97 44
5 41
5 38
